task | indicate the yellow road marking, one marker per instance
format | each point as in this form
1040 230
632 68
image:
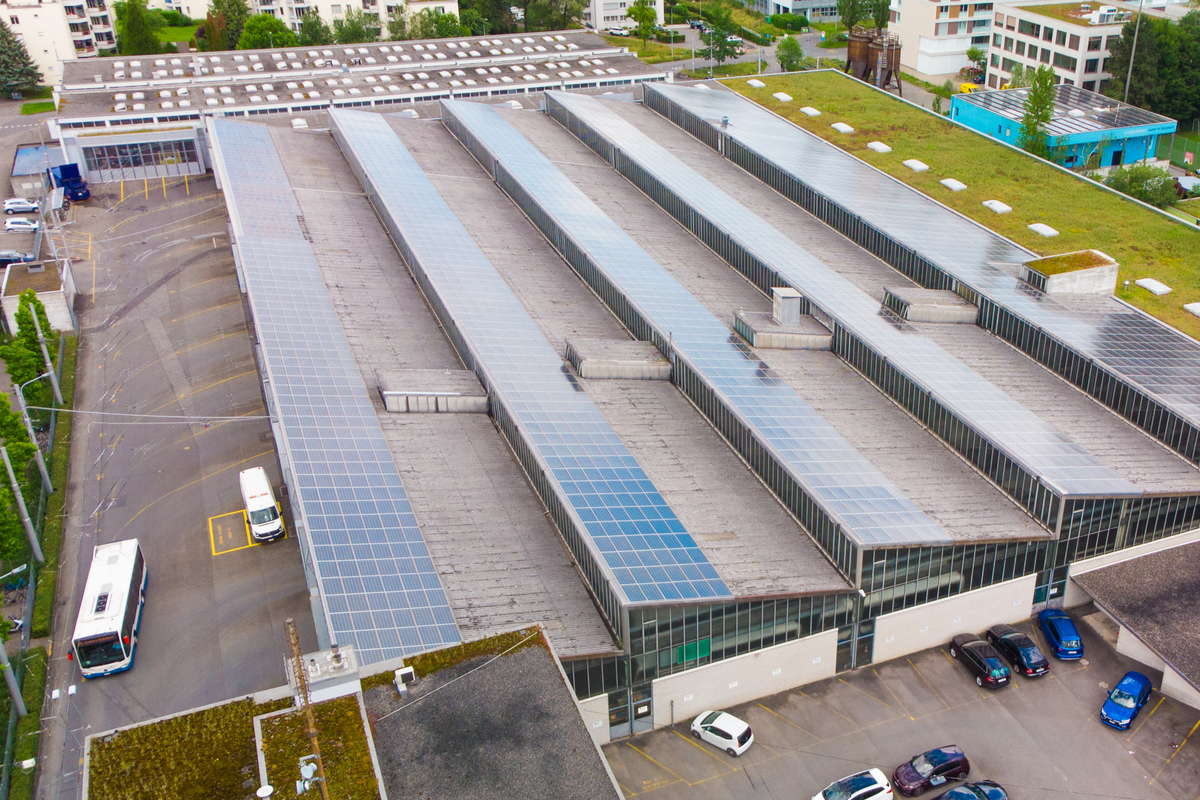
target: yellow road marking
865 692
707 751
893 694
238 332
195 392
1177 749
927 683
193 483
229 537
827 708
1145 718
237 302
161 208
652 760
789 722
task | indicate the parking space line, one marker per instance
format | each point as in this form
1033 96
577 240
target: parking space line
1129 738
789 722
927 683
827 708
229 536
893 694
626 790
1177 749
860 690
653 761
201 479
237 302
704 750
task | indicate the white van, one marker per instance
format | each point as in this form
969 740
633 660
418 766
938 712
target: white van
262 512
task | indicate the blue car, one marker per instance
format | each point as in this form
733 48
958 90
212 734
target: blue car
983 790
1061 634
1126 700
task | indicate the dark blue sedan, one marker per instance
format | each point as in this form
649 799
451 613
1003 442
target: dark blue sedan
1126 700
1061 634
983 790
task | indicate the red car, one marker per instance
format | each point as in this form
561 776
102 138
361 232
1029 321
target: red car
932 769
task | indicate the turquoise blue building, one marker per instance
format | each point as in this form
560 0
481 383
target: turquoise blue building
1084 123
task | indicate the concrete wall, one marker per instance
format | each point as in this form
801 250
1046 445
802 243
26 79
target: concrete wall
1177 688
594 711
1132 647
1097 280
935 623
1074 596
744 678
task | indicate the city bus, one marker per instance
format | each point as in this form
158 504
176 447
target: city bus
111 612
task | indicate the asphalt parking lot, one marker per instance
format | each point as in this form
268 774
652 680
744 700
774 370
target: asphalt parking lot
170 409
1039 738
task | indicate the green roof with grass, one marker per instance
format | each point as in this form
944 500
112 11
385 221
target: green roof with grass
1064 12
1145 243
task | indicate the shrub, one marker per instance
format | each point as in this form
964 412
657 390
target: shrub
789 22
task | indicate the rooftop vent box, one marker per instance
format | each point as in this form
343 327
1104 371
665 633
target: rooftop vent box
1080 272
782 97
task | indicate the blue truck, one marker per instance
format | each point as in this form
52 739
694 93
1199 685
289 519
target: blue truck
67 177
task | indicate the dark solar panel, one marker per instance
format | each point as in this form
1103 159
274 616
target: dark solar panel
1041 449
378 584
871 510
648 554
1150 355
1099 113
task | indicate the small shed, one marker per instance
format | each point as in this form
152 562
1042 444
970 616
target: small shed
1084 125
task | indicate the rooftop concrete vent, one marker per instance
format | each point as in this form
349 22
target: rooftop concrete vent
1076 112
953 185
299 124
785 306
997 206
842 127
809 111
878 147
1153 286
916 166
756 83
1192 308
782 97
1043 229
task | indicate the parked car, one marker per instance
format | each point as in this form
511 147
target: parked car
983 790
734 39
1126 700
20 205
930 770
1021 651
724 731
20 224
871 784
981 659
617 32
1061 634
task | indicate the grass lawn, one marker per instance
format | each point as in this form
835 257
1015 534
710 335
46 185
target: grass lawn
37 107
33 690
1144 243
651 52
182 33
1068 262
724 70
1059 11
344 753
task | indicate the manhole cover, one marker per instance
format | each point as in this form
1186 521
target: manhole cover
1084 661
1104 685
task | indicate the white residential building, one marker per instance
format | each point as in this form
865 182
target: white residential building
54 31
604 14
1073 38
290 11
935 36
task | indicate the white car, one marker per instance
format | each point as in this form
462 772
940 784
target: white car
617 32
20 224
724 731
871 784
20 205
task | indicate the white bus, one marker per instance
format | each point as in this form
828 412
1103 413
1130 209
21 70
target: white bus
111 612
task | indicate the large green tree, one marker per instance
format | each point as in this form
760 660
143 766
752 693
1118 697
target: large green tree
314 31
17 70
356 26
496 13
644 15
718 46
474 22
134 34
235 12
1039 111
1166 66
852 12
263 31
789 54
881 13
216 36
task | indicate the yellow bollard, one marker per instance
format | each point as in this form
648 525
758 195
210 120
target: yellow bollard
122 192
164 188
146 187
187 188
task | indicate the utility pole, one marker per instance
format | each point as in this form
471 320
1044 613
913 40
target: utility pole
58 398
302 681
14 691
16 487
1137 26
37 451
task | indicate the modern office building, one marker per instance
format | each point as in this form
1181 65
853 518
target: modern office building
1086 129
61 30
935 37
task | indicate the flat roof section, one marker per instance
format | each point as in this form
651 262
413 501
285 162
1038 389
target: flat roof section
501 561
1076 111
756 546
947 489
1157 597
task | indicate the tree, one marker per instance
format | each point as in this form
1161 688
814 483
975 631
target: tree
553 14
941 93
214 34
447 26
881 13
496 13
23 354
17 70
789 54
264 31
136 38
718 47
356 26
1143 182
397 24
1039 110
976 55
851 12
1022 78
314 31
474 22
644 14
235 12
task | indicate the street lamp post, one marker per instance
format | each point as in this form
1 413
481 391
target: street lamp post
37 451
1137 26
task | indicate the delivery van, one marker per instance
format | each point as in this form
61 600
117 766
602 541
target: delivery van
262 512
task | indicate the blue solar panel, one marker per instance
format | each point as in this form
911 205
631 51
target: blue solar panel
1031 442
1141 350
378 584
852 491
628 528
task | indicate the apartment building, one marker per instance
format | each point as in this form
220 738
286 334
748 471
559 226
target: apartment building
291 11
54 31
935 37
602 14
1073 38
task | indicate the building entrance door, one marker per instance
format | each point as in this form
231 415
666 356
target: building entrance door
855 645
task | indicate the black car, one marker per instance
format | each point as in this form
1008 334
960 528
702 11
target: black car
1020 650
981 658
931 769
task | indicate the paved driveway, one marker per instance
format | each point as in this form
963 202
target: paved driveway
1038 738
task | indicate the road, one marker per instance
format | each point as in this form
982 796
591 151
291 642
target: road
164 334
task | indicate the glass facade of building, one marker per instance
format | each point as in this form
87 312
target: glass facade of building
115 162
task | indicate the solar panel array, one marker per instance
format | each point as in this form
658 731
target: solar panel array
377 582
647 553
1146 353
1100 113
870 509
1031 442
